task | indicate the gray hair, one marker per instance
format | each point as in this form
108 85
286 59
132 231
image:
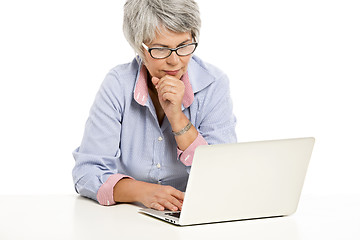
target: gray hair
143 18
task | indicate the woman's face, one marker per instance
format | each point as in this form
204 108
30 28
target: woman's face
173 65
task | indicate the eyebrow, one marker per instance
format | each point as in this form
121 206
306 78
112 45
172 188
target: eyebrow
162 45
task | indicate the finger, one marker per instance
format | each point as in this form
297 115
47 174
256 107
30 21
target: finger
177 197
169 77
165 84
170 88
171 97
167 89
168 205
168 80
157 206
177 203
155 80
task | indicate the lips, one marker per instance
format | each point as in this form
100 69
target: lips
172 73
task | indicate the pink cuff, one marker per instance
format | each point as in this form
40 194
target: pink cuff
186 156
105 194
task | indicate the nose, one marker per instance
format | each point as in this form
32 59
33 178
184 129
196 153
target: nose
173 59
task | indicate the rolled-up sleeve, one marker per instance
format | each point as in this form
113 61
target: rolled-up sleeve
97 161
105 194
186 157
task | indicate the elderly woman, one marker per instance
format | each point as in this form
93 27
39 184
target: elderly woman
151 114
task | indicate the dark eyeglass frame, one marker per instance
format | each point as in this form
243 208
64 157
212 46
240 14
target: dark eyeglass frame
171 50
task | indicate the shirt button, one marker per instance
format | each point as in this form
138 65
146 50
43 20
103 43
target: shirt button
160 138
158 165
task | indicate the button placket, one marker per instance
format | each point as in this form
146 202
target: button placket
159 156
160 139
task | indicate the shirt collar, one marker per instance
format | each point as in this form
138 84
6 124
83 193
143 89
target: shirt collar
141 92
200 74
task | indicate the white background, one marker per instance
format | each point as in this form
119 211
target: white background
293 68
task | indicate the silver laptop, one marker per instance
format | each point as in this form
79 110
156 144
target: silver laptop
241 181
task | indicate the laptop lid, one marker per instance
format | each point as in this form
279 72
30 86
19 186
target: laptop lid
244 181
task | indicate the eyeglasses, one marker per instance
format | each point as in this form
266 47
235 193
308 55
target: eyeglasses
164 52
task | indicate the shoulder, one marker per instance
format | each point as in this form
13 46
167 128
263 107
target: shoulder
122 74
118 84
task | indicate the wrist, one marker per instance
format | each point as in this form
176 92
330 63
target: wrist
178 122
141 190
184 130
138 190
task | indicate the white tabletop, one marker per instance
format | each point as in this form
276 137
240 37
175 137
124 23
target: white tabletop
73 217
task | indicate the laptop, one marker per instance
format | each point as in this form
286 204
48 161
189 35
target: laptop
240 181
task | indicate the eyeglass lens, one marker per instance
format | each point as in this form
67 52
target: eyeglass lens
165 52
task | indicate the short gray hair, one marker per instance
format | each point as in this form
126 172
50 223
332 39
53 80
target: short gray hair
143 18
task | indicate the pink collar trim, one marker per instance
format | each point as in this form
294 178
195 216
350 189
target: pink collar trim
141 92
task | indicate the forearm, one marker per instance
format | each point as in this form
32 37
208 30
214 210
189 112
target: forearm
127 190
151 195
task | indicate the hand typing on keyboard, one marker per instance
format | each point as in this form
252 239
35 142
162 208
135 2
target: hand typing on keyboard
162 197
152 195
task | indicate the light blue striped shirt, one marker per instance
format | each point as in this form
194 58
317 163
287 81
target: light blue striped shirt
123 136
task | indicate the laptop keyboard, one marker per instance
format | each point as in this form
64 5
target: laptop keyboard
173 214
